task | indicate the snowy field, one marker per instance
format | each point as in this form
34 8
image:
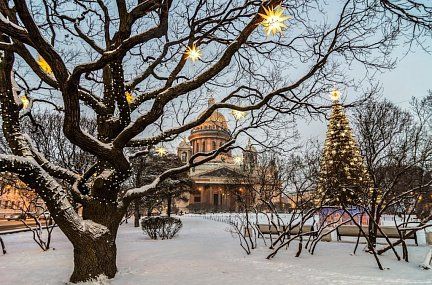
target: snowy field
206 253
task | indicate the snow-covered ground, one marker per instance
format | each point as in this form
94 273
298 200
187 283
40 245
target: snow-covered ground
206 253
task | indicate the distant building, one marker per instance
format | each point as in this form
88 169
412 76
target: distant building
15 197
217 183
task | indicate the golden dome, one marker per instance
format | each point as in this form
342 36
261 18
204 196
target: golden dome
216 121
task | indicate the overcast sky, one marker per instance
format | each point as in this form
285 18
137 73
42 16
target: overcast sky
412 77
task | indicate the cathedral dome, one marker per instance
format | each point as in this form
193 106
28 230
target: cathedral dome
211 135
216 121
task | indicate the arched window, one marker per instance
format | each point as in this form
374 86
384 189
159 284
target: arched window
220 144
204 146
213 145
183 157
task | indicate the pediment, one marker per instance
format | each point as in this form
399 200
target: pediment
222 172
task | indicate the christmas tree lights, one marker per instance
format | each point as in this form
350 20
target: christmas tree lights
343 177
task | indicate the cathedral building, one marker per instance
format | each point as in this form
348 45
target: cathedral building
216 182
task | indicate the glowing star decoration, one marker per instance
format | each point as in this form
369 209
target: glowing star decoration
193 53
129 97
335 95
25 102
273 20
161 151
238 114
44 65
238 160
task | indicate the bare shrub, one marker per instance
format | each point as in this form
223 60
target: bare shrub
162 227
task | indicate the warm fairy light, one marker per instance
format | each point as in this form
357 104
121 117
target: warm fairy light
44 65
161 151
335 95
238 114
273 20
193 53
238 160
129 97
25 102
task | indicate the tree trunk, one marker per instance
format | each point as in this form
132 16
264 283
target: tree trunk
94 258
137 214
373 228
95 248
3 246
169 206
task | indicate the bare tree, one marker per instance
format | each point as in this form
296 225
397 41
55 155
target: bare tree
44 225
397 148
123 64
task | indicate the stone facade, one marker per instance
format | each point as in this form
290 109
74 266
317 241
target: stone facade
216 186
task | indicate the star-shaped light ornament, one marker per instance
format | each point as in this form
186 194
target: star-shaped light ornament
25 102
193 53
129 97
238 160
238 114
44 65
273 20
161 151
335 95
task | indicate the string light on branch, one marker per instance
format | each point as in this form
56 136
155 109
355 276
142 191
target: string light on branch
238 160
238 115
273 20
44 65
25 102
129 97
161 151
193 53
335 95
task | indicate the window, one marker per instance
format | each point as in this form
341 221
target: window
197 147
184 156
213 145
204 146
215 199
197 199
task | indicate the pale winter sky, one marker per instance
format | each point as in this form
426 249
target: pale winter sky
412 77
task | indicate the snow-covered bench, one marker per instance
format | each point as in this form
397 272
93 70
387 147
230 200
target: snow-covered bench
266 229
389 231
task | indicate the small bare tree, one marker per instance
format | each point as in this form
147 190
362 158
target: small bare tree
35 208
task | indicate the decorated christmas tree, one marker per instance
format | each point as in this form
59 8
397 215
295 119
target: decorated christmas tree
343 177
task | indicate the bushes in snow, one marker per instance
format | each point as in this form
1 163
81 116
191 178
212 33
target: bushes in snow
162 227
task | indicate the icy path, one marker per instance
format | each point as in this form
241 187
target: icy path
205 253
